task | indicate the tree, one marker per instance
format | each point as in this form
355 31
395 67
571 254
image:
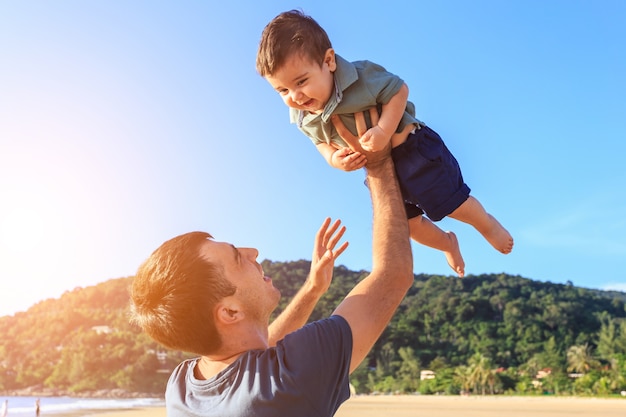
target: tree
463 377
408 376
481 373
607 338
620 339
580 358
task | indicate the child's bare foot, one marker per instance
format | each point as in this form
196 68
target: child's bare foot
454 257
427 233
498 236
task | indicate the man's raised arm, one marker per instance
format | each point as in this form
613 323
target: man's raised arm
301 306
368 308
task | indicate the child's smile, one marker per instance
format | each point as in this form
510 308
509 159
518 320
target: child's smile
304 84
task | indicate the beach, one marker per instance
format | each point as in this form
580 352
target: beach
454 406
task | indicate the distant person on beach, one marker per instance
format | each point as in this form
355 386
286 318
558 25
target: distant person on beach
5 408
296 57
37 407
198 295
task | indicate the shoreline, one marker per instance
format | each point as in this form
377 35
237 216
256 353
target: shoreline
66 406
105 394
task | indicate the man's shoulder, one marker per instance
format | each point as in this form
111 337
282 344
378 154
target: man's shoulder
305 367
332 328
334 321
186 364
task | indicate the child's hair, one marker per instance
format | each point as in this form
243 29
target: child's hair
290 33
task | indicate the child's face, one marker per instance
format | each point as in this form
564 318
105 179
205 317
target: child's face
304 84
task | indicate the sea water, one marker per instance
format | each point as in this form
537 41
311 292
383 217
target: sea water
25 406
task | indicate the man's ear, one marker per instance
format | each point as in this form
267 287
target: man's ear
329 59
227 311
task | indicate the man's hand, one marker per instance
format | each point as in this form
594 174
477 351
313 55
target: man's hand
298 311
348 160
353 141
324 255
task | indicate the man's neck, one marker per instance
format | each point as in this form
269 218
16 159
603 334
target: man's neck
207 368
240 339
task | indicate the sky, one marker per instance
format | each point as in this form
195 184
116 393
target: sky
124 124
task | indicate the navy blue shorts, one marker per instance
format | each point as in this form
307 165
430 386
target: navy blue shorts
429 176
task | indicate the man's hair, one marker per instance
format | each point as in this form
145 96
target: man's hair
288 34
174 293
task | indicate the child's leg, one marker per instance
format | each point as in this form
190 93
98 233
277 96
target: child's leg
425 232
472 212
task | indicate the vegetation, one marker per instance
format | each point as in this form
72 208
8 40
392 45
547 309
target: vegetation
486 334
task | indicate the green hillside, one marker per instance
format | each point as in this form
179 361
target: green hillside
486 334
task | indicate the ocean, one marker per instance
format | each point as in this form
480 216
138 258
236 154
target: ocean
25 406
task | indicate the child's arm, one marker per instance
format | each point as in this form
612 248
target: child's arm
343 158
376 138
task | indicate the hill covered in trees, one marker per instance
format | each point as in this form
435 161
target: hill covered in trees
485 334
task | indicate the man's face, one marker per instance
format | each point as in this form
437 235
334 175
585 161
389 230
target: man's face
256 291
304 84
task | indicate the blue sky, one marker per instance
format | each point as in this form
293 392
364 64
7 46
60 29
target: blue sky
123 124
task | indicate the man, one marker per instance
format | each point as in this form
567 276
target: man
211 298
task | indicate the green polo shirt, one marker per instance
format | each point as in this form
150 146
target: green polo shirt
359 85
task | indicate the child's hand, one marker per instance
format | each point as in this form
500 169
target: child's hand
375 139
373 158
347 160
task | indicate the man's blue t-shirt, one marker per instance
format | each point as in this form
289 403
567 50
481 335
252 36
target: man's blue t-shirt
306 374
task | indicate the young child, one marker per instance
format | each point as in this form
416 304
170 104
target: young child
296 57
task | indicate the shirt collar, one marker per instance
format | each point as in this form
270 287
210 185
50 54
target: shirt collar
344 76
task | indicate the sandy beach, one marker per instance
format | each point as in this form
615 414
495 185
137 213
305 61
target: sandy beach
448 406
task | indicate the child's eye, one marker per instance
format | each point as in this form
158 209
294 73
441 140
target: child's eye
283 91
301 82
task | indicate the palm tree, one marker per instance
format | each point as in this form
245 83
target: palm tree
580 358
480 371
463 378
492 380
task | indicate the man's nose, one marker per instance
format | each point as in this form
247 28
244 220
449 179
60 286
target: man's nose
251 253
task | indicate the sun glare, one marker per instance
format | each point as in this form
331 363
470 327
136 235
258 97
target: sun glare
21 232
